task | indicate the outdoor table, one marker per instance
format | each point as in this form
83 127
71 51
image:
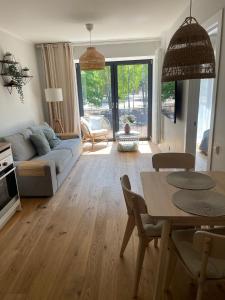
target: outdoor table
127 141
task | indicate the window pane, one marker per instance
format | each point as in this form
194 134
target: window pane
97 98
133 97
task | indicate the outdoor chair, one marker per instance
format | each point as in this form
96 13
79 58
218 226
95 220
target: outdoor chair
95 129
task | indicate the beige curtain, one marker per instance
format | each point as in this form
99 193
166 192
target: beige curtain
60 72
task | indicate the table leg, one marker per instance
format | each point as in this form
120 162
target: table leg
162 264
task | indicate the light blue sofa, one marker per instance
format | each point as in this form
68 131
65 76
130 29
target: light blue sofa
41 176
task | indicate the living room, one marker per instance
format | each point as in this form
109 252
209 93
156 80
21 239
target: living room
86 110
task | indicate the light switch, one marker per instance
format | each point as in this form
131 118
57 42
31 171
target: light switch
217 150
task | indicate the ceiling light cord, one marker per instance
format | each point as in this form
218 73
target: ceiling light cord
190 7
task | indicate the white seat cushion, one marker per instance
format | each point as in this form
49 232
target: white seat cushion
99 132
183 240
152 229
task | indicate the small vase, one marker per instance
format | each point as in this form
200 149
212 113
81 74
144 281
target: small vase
7 78
127 128
25 72
8 57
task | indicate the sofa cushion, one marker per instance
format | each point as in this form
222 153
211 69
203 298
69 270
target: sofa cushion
38 128
71 144
60 157
40 142
49 133
99 132
22 147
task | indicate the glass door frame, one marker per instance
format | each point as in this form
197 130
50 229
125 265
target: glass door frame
114 92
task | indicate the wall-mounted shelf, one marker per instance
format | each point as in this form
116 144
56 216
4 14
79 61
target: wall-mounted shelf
13 75
9 62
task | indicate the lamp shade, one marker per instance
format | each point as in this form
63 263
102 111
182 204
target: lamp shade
190 54
53 95
91 59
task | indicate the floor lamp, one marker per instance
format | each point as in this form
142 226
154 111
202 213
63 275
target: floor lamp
55 95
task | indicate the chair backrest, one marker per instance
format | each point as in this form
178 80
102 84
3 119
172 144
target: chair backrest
85 128
211 244
134 202
97 122
173 160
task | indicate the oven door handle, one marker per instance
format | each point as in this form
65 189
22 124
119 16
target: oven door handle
6 174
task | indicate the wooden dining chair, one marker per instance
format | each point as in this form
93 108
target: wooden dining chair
173 160
202 253
147 228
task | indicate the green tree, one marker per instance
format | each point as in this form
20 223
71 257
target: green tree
168 90
95 86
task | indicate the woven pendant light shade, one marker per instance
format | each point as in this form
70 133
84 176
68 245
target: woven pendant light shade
190 54
92 60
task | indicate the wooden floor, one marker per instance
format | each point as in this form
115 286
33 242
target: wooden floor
67 247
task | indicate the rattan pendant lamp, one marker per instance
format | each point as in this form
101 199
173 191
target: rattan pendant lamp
190 53
91 59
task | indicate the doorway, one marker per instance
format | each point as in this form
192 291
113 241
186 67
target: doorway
206 110
123 89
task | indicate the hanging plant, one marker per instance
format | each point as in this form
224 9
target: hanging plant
17 80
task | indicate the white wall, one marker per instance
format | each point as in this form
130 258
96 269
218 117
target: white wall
122 49
13 114
174 135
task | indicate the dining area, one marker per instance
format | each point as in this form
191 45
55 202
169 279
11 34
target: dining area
182 213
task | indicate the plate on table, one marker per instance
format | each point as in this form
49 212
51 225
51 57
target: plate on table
191 180
202 203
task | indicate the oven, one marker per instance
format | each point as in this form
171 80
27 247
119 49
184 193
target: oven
8 185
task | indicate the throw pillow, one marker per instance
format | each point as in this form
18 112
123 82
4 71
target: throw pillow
49 133
40 142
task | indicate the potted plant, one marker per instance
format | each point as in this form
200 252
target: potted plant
127 120
17 80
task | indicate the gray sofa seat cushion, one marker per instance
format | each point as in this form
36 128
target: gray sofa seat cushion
74 145
22 147
60 157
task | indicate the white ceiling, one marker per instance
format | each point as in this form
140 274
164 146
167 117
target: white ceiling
63 20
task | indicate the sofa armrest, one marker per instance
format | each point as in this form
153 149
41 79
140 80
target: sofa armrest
33 167
36 178
67 135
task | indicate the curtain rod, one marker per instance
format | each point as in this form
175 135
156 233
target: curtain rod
40 45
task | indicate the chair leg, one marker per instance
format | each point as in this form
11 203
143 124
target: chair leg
92 141
170 270
156 242
200 291
128 231
140 258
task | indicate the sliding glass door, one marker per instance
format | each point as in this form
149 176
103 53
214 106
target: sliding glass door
122 89
133 96
95 95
